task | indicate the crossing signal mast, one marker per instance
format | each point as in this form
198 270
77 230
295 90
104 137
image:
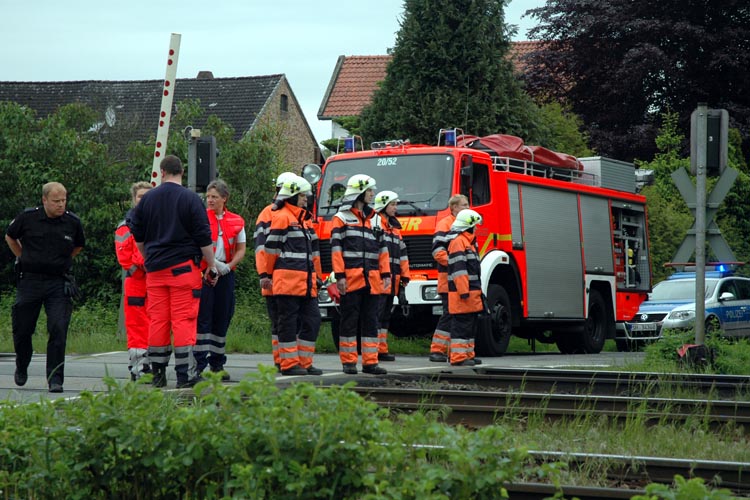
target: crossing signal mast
162 132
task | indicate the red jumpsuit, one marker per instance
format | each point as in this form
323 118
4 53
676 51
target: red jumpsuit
136 317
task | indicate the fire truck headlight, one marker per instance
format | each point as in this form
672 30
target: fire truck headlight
430 293
682 315
323 296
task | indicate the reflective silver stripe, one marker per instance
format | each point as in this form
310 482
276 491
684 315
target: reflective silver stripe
369 350
294 255
259 248
359 233
353 255
343 348
441 342
305 343
122 238
456 258
455 348
287 354
274 251
287 345
457 274
274 237
373 340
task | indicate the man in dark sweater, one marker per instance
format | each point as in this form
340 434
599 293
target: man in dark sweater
171 229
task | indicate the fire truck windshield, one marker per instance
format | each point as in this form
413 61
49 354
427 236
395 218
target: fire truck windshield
422 182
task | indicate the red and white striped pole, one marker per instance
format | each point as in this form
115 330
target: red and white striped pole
162 133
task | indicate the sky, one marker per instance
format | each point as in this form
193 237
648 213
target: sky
52 40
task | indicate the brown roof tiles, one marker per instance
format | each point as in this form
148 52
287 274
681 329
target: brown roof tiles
355 79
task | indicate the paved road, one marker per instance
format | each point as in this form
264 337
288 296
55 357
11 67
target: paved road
85 372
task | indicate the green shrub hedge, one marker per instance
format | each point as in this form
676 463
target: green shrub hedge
248 440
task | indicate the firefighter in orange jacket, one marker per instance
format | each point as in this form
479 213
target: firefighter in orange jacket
362 271
441 339
464 287
134 303
293 263
217 302
388 230
262 227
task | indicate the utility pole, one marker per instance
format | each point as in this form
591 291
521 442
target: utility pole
700 223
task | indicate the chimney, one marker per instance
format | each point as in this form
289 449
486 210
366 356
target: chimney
205 75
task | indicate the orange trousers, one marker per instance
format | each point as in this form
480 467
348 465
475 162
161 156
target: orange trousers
173 301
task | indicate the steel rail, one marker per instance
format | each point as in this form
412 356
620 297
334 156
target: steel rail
599 382
478 408
631 468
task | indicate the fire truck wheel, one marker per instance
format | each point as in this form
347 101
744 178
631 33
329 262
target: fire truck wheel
595 331
495 343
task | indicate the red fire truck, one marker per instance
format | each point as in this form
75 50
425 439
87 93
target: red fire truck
564 246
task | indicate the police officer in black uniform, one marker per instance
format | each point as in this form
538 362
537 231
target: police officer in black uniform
44 240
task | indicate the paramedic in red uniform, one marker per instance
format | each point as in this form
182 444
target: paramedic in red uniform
442 337
262 227
464 287
293 264
134 288
363 273
388 229
217 302
171 230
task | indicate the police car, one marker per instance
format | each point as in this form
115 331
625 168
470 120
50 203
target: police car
671 305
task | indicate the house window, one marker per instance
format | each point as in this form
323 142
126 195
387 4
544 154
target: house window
284 103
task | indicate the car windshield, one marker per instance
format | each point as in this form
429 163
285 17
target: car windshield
422 182
680 290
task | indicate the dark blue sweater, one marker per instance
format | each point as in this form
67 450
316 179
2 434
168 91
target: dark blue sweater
172 223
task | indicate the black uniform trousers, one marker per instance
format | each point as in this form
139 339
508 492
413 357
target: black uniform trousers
31 294
297 317
214 316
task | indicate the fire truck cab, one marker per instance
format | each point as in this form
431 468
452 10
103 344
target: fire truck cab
564 246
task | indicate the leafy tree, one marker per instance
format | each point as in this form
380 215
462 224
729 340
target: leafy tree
621 63
63 148
450 69
67 147
562 130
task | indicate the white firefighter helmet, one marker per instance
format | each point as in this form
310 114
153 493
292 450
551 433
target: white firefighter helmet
356 185
293 187
466 219
283 177
382 199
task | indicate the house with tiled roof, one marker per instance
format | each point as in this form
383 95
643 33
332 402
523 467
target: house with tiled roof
355 79
134 105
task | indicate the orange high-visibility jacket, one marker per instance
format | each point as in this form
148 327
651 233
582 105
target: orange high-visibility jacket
128 255
355 252
231 225
464 283
389 229
440 250
293 253
262 227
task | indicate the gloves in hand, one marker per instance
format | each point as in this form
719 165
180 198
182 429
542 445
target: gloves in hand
334 293
222 268
386 283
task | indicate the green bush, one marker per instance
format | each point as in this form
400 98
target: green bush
249 440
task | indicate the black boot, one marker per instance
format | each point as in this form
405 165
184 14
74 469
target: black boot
160 376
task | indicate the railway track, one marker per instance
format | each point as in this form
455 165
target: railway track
475 408
597 382
480 397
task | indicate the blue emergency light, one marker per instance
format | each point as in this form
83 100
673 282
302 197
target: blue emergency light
450 137
348 144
